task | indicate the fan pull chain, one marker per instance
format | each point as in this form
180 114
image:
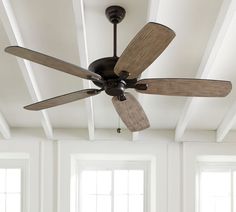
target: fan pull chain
118 129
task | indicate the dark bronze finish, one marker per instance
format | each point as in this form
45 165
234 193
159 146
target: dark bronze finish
93 92
112 84
121 98
115 40
141 87
95 80
115 14
105 68
115 88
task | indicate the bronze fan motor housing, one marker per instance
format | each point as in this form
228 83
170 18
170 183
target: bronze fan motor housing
113 84
114 74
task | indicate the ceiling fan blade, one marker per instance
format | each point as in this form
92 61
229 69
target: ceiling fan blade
145 47
63 99
131 113
184 87
52 62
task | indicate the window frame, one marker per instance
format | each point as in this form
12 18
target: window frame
215 167
79 165
21 164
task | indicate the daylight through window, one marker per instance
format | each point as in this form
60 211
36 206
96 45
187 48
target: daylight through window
112 191
217 190
10 190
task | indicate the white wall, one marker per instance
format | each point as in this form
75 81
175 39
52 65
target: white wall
50 167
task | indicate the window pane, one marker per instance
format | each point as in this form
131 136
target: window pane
13 180
136 181
104 182
121 181
136 203
97 191
121 203
222 204
2 203
89 203
88 182
103 203
2 180
13 203
215 192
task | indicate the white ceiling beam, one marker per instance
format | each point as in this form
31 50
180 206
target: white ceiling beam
153 8
152 16
4 127
217 37
15 38
227 123
78 6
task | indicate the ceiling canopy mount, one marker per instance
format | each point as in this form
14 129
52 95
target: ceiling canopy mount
115 14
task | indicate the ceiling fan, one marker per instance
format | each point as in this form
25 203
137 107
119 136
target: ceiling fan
115 74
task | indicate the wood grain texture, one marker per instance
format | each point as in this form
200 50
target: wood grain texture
186 87
51 62
63 99
131 113
145 47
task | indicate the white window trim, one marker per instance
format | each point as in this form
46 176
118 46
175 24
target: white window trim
214 167
17 161
87 161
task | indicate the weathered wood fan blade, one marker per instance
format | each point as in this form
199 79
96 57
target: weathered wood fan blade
184 87
63 99
52 62
145 47
131 113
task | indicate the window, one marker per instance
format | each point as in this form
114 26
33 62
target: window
13 182
10 190
112 185
112 191
217 188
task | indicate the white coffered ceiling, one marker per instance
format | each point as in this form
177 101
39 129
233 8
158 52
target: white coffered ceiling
77 30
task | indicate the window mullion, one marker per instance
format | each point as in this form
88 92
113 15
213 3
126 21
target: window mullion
21 190
96 194
112 192
199 196
128 191
5 190
145 197
232 190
